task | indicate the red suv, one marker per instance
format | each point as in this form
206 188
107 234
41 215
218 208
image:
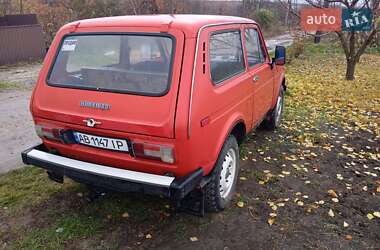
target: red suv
155 104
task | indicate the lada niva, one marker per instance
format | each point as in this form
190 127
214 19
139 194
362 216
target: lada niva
156 104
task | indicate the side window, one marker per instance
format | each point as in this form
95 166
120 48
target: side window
254 47
226 55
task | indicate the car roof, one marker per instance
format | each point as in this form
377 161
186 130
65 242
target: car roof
190 24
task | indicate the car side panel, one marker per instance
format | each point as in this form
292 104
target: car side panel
264 86
278 72
263 91
216 108
278 79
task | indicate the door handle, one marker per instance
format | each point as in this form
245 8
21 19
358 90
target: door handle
256 78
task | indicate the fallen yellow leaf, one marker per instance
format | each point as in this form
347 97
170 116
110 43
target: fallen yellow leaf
300 203
240 204
193 238
335 200
332 193
331 213
370 216
270 221
377 214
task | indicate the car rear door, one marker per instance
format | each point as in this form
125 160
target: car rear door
260 72
125 111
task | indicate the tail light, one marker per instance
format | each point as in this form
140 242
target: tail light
48 133
154 151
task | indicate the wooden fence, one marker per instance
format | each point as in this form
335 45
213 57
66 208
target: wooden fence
21 43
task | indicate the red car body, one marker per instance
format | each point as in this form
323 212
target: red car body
193 118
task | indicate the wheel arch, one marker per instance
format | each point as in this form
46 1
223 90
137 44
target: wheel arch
283 83
277 87
237 127
239 130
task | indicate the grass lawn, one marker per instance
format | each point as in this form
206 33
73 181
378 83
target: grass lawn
313 183
7 85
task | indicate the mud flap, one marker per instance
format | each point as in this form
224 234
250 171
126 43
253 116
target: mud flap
55 177
194 202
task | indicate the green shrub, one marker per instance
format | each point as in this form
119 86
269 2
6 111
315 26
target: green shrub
264 17
297 48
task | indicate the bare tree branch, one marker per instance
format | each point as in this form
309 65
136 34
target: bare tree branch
314 4
134 6
285 5
366 43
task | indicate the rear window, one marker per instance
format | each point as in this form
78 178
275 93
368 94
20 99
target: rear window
137 64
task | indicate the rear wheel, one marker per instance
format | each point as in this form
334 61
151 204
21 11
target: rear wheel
221 187
274 117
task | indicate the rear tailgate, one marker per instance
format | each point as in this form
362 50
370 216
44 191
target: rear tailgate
115 110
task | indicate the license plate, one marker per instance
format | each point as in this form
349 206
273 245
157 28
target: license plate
101 142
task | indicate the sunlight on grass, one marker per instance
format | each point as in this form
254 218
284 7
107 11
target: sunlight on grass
7 85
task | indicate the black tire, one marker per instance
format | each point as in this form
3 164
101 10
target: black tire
214 202
273 118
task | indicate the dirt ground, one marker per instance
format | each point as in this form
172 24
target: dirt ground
16 127
300 223
24 74
294 193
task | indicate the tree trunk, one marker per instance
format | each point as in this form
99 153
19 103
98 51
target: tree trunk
317 37
318 34
350 70
287 14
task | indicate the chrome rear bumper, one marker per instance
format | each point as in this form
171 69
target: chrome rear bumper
109 177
